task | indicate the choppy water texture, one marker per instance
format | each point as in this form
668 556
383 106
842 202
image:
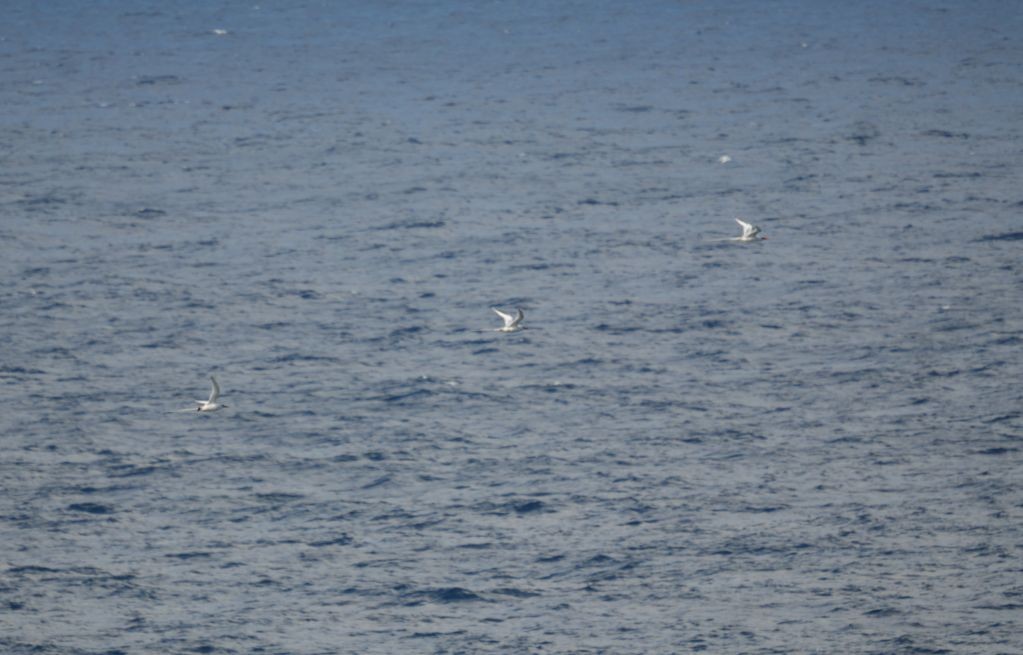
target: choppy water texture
809 444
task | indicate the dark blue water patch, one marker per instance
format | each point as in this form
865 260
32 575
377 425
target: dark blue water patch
401 398
435 635
20 370
379 482
882 612
1005 236
542 267
54 306
514 593
91 508
413 225
1003 607
36 270
30 569
550 559
945 134
913 207
149 213
550 388
598 560
129 470
266 582
602 568
634 109
904 645
799 182
1011 340
304 294
89 489
560 156
518 506
617 329
194 554
401 333
278 498
595 202
166 342
198 304
1002 418
441 595
341 540
157 80
461 395
863 133
294 357
43 203
525 507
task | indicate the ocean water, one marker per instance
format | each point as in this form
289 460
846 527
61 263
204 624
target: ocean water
809 444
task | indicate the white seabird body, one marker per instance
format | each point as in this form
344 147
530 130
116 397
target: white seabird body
210 405
750 232
511 323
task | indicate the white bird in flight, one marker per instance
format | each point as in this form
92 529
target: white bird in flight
511 323
210 405
749 232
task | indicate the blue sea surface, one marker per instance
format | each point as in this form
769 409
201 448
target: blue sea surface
806 444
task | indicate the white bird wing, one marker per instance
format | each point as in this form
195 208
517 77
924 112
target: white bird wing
748 230
508 319
215 391
518 317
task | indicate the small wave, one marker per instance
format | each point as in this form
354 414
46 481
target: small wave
515 593
413 225
342 540
279 497
301 357
91 508
31 568
193 554
379 482
20 370
1005 236
402 397
442 595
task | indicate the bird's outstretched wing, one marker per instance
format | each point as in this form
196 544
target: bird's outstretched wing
508 319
